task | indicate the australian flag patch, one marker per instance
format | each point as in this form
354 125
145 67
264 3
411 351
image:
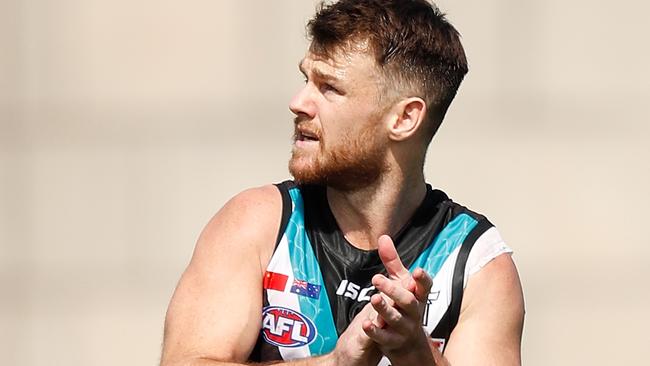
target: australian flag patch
304 288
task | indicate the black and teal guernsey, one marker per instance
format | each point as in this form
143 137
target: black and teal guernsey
316 281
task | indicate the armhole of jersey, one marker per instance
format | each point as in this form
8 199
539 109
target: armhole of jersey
287 208
450 318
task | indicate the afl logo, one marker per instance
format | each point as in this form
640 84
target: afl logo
284 327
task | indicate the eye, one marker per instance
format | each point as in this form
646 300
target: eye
325 87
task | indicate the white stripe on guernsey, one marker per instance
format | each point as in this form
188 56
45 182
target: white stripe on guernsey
487 247
442 282
384 361
281 263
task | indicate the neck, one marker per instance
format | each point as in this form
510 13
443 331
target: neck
383 207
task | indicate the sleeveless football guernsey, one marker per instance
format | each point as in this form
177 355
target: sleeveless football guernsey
316 281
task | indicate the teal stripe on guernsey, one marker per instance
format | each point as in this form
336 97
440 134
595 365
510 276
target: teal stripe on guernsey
306 268
450 238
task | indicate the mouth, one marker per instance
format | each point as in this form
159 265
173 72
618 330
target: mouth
306 136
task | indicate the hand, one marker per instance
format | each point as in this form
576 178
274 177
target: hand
399 305
354 347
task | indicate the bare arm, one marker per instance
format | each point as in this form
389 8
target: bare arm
492 317
214 316
214 313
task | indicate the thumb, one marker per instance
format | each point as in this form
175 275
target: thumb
390 258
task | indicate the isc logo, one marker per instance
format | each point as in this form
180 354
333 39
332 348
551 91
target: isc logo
284 327
355 292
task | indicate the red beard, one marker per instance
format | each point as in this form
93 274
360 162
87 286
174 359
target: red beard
353 163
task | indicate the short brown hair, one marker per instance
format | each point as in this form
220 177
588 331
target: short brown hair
417 49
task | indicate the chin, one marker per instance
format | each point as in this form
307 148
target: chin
305 171
346 170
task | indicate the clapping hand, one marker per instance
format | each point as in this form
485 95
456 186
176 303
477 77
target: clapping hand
400 304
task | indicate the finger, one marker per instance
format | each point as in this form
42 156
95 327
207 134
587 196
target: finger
390 258
380 322
369 313
363 339
388 313
423 283
383 337
374 316
404 300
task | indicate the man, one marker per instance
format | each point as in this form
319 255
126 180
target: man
358 261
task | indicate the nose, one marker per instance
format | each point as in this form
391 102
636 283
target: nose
302 102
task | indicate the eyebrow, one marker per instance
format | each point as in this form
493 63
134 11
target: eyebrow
318 73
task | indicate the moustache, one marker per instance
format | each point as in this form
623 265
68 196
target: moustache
302 125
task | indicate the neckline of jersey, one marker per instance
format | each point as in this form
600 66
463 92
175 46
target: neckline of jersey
427 202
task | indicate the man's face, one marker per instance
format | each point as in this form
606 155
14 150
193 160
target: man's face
339 140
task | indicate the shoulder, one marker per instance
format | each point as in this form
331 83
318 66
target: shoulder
489 260
247 224
485 241
492 308
224 277
252 210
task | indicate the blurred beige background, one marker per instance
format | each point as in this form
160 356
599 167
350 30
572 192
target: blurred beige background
124 125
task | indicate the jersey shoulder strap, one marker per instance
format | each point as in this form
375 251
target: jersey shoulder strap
287 207
450 318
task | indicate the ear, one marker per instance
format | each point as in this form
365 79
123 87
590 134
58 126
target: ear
408 117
